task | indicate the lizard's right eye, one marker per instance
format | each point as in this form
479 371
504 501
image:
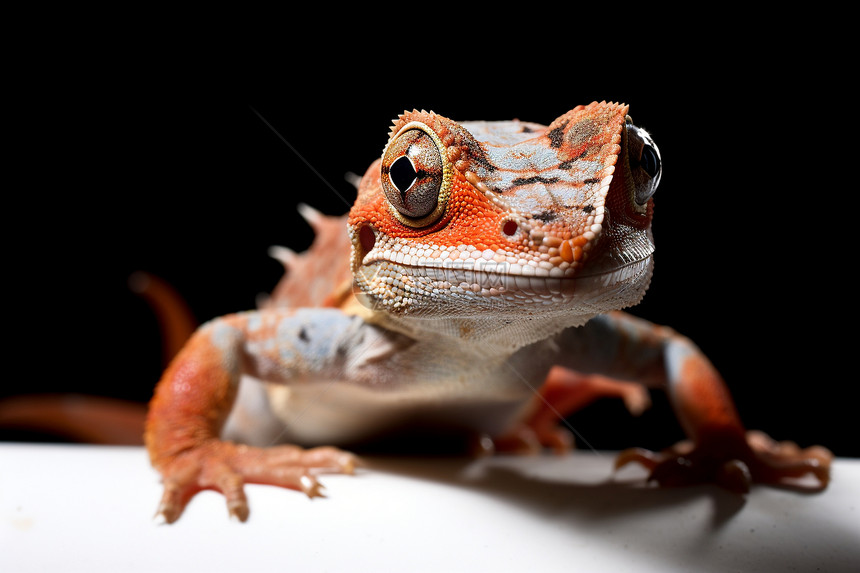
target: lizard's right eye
414 177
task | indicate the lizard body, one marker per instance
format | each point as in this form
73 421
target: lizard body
490 261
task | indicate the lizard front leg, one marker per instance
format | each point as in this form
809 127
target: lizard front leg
718 449
195 395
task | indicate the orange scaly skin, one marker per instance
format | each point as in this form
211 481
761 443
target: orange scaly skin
186 416
487 258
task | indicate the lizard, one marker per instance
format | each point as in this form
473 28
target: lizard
476 284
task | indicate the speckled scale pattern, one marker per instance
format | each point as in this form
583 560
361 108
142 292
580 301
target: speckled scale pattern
527 204
474 261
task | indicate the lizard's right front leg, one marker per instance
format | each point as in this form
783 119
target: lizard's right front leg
191 404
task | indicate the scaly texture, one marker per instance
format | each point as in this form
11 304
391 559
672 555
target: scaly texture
490 260
518 218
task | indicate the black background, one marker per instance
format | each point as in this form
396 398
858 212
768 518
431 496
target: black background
135 161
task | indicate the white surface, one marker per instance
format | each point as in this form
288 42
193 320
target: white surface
88 508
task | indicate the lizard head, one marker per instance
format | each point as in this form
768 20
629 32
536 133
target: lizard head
512 219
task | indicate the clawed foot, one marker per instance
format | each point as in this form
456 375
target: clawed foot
226 467
734 464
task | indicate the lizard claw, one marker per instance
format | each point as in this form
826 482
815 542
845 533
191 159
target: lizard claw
310 486
734 464
227 467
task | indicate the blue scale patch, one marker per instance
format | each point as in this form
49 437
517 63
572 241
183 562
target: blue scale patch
311 335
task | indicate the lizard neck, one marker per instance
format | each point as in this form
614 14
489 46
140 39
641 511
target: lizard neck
487 336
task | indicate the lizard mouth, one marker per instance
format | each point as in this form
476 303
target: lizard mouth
461 281
463 288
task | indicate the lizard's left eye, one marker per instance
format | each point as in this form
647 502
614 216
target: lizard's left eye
646 159
414 177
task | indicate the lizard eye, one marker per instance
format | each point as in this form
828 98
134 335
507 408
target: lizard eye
648 162
414 177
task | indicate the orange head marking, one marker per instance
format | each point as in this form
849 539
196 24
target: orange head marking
505 215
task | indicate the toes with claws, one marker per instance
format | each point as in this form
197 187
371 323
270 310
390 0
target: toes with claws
735 464
226 467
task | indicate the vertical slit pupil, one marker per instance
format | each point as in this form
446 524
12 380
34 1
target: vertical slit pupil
650 162
402 174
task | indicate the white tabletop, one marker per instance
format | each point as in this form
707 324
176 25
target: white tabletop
89 508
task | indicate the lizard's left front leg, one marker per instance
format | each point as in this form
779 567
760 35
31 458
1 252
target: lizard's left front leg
719 448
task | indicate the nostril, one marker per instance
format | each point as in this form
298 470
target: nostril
367 238
509 228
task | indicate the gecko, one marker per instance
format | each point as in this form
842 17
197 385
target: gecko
476 286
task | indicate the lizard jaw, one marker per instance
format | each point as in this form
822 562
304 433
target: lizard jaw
449 290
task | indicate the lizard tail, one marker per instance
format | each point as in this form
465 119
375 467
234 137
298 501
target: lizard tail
75 418
175 319
99 419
